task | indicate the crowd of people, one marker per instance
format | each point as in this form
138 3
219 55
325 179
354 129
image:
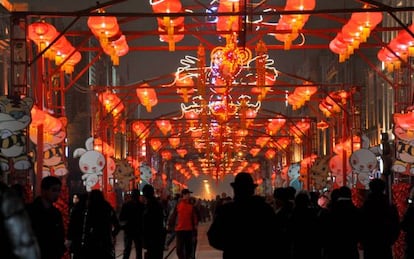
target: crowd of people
291 225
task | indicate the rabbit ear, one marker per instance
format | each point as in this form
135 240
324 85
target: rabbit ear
89 144
79 152
364 141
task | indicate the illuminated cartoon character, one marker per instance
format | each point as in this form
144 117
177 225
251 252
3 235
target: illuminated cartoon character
294 177
319 172
124 174
364 163
336 166
282 179
404 133
15 117
145 174
53 153
91 164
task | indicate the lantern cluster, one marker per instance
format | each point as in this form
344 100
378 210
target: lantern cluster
399 49
61 52
112 41
354 32
293 22
301 95
333 102
168 27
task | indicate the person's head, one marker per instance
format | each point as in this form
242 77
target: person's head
281 196
243 185
186 193
50 188
302 199
344 192
75 198
148 191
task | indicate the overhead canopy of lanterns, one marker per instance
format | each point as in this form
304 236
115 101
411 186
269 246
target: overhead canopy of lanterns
61 52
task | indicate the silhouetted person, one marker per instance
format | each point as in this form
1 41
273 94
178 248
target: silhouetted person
283 208
304 228
101 226
17 240
244 227
77 218
341 227
407 225
381 223
131 219
153 224
46 219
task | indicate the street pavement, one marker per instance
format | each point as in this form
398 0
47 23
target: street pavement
204 250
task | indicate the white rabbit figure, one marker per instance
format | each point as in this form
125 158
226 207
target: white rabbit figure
91 164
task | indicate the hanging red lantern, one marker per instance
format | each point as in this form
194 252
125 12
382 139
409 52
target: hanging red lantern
103 27
111 102
140 129
164 125
147 96
42 33
270 154
155 144
174 141
166 155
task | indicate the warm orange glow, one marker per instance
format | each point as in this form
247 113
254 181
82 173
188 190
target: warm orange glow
182 152
164 125
174 141
147 96
140 129
270 154
166 155
155 144
111 102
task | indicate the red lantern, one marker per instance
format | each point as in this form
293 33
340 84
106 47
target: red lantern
42 33
155 144
147 96
166 155
164 125
174 141
140 129
103 27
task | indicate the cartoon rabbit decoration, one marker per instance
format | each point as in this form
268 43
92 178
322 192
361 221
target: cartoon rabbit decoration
91 164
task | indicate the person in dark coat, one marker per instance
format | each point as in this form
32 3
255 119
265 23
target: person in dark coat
407 225
341 227
284 208
131 220
244 227
47 221
304 228
75 226
153 224
100 228
381 223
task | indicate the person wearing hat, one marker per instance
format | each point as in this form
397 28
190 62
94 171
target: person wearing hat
244 228
184 221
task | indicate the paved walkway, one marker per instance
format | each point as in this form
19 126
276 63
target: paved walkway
204 250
